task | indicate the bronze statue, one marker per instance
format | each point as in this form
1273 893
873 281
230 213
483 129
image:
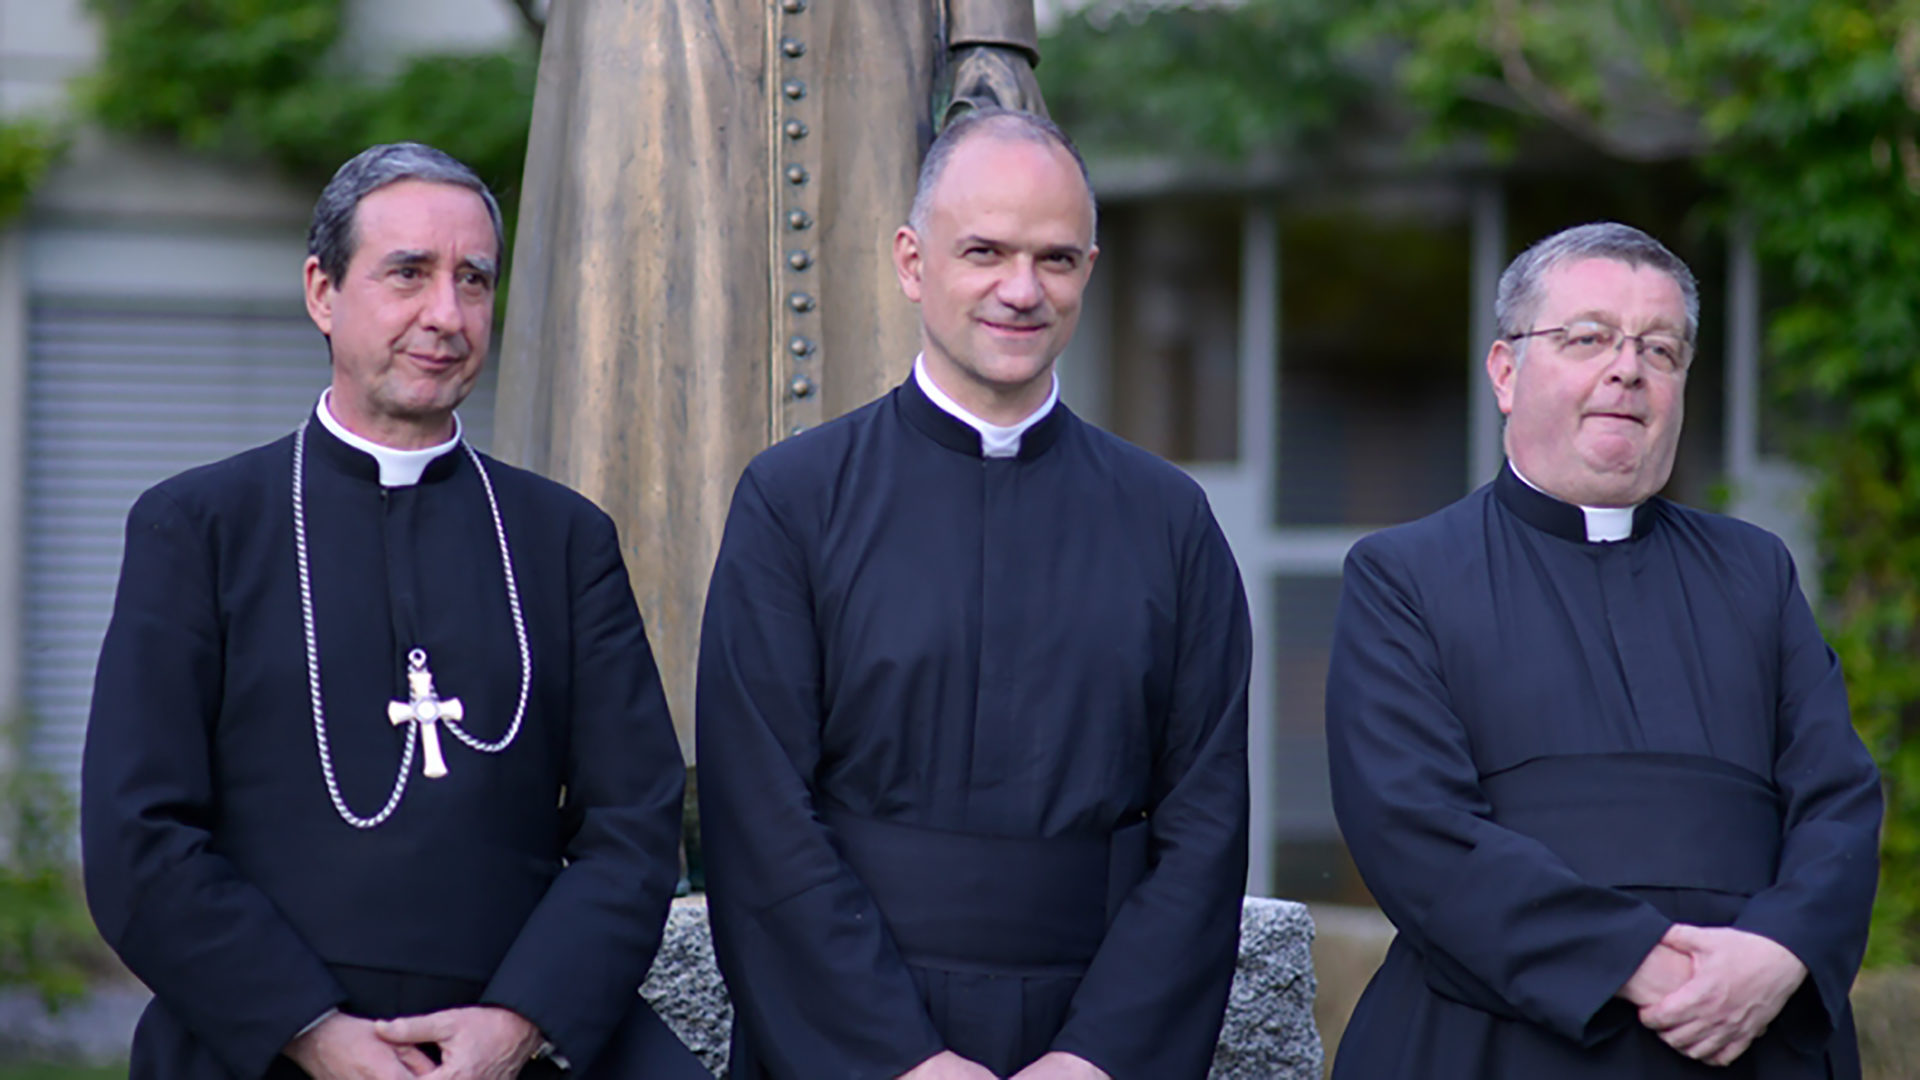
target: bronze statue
702 260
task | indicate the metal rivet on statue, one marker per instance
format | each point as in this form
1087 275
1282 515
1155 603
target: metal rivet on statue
793 47
795 129
800 302
799 346
802 386
799 220
799 260
794 89
796 175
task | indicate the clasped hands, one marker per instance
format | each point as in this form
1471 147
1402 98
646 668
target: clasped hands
475 1043
1708 992
1058 1065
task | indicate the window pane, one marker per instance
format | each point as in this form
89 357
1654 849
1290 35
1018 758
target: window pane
1373 354
1175 326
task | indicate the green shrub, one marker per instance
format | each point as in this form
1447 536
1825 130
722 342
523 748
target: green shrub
47 941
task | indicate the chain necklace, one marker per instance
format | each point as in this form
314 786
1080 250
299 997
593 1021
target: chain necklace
416 657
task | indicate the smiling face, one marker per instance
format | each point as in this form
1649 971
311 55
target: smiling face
1597 432
998 271
410 321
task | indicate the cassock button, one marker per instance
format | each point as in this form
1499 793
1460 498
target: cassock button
794 89
793 7
799 346
796 175
799 220
793 47
799 260
802 386
800 302
795 129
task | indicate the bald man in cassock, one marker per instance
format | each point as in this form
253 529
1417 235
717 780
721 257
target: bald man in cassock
379 780
972 693
1589 749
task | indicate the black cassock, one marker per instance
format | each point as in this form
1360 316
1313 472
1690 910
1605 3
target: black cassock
972 745
1544 751
536 879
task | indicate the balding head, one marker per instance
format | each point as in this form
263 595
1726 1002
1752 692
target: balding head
993 123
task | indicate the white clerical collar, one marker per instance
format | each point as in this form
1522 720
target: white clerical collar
398 468
995 441
1605 524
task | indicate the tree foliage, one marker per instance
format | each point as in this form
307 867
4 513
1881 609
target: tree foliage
209 73
28 148
1804 113
1128 78
47 942
261 80
1811 108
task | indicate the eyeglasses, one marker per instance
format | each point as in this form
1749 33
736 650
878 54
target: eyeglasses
1664 350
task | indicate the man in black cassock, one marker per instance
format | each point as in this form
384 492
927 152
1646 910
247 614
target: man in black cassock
1589 750
972 693
376 733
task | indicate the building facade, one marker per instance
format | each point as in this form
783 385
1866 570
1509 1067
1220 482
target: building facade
1307 343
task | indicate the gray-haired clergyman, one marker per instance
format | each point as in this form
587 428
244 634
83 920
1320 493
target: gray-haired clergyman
379 779
1588 747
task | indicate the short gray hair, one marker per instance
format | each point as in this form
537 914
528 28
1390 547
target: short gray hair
330 237
1002 123
1518 300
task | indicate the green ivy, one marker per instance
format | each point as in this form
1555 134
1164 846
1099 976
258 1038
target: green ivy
1812 108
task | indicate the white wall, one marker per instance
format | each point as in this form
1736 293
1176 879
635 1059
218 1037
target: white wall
380 33
43 44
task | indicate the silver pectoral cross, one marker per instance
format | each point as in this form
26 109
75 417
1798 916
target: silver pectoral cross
425 708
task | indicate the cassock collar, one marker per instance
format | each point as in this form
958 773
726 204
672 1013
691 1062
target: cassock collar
361 464
1548 514
956 434
996 440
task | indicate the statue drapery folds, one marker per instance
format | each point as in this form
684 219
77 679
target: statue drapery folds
702 260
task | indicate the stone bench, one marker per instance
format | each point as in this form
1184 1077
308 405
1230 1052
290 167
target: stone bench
1269 1033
